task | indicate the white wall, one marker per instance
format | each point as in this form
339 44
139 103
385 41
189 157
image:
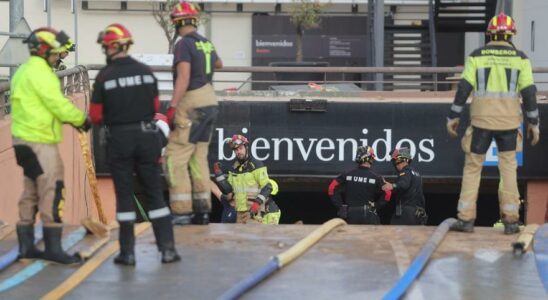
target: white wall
526 12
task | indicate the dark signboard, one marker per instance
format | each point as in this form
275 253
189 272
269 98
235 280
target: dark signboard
324 143
338 41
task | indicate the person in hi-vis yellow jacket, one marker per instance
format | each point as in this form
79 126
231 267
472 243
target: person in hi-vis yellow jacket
248 187
496 75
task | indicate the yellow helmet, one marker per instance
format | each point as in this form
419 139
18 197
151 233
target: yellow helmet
46 40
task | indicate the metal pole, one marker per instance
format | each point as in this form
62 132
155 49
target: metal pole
48 8
378 33
16 14
74 4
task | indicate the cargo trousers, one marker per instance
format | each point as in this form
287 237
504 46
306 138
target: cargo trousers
475 144
187 166
43 188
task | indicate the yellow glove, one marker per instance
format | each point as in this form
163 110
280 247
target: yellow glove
452 125
533 132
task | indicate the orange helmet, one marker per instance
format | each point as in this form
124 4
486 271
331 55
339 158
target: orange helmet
46 40
185 13
501 25
237 140
114 34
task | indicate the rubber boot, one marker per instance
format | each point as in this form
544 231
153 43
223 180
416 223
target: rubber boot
27 249
182 219
200 219
54 251
511 228
464 226
163 232
126 239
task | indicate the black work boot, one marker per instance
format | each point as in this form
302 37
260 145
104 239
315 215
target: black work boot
126 239
200 219
511 227
54 251
464 226
163 231
182 219
25 235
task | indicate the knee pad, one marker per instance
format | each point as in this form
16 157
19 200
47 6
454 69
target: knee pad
27 159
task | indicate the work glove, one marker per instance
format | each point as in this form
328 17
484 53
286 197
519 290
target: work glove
452 125
170 114
217 169
254 209
533 132
86 126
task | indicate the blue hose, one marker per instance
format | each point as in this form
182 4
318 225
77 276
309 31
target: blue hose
420 261
38 265
541 254
8 258
242 286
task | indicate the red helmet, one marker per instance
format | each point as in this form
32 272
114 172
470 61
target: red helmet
501 25
46 40
185 13
114 34
365 154
237 140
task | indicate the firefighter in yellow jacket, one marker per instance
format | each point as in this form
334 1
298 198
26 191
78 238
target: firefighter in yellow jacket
248 185
496 75
39 110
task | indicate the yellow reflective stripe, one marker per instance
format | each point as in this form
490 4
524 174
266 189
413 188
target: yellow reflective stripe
116 30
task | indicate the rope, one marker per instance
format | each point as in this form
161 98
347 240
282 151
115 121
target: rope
277 262
141 210
90 170
420 261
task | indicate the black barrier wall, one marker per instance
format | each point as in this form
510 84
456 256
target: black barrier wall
324 143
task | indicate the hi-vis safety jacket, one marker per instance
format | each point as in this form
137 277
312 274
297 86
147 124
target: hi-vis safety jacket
496 75
38 107
249 182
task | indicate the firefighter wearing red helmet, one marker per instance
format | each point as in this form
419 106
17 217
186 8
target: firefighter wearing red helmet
407 190
496 75
192 114
362 190
125 99
247 186
38 111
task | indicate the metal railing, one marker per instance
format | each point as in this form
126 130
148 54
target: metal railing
77 79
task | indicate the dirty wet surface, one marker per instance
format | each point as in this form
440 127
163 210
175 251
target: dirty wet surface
352 262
